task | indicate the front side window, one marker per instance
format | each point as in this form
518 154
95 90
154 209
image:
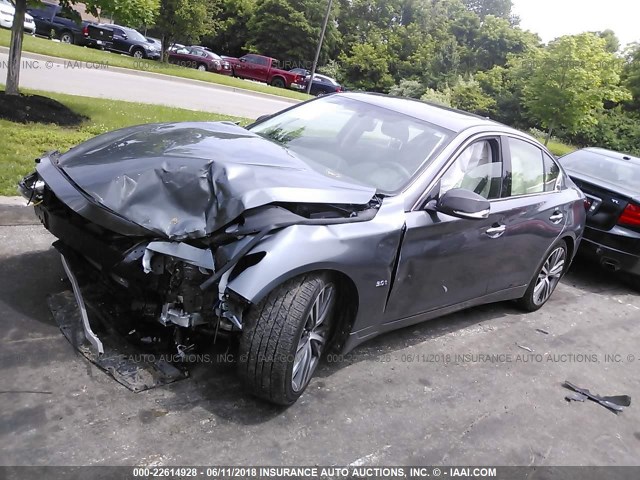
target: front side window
527 168
478 169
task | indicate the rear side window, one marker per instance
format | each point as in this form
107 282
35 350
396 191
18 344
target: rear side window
527 168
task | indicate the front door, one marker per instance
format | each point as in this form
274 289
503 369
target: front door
446 260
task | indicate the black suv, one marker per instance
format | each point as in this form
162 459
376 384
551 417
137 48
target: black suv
53 22
130 41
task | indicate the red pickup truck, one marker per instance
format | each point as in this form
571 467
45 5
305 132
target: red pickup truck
264 69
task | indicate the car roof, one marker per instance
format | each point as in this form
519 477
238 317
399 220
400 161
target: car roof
449 118
612 154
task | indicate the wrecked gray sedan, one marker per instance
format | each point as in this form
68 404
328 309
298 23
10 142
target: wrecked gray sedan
321 226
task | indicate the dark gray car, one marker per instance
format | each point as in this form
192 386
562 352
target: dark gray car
323 225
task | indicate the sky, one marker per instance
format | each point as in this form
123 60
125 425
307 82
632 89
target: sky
554 18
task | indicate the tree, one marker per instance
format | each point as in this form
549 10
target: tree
15 49
289 30
186 20
497 8
366 67
231 35
128 12
468 95
631 74
570 80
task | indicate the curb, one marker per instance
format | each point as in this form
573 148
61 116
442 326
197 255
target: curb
162 76
15 212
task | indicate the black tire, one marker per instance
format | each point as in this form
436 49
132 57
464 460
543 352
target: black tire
278 82
633 281
532 300
66 37
138 53
275 329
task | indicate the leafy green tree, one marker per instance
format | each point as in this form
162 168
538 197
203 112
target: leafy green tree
129 12
631 74
186 20
437 97
570 80
233 29
468 95
408 88
495 40
289 30
613 43
366 67
496 8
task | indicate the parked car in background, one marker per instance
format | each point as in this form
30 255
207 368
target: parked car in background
321 226
53 22
125 40
201 59
611 182
321 85
7 12
97 36
265 69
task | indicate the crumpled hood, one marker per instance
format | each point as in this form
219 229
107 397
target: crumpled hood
186 180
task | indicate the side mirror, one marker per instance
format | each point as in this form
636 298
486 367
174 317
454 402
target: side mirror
462 203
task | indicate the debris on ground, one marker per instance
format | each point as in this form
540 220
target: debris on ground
540 330
614 403
524 347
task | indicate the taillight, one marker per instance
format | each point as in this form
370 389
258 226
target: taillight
630 216
85 31
338 90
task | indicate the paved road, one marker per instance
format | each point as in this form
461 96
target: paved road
396 400
77 79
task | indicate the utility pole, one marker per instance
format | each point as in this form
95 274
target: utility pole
315 61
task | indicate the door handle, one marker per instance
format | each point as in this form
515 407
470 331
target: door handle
498 231
557 217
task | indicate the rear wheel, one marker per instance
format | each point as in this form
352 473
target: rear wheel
278 82
284 337
66 37
546 278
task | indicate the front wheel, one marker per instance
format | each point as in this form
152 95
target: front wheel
284 337
546 278
138 54
202 67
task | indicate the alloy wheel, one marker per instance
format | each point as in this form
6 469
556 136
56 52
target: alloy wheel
314 336
549 276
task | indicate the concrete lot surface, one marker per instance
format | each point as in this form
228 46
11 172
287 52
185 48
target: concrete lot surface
396 400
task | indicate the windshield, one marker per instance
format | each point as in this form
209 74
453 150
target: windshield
620 173
346 138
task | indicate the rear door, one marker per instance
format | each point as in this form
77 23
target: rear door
120 43
43 17
532 213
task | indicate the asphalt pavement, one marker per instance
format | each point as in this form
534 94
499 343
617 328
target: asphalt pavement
479 387
99 81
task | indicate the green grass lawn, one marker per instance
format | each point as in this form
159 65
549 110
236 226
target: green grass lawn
21 143
559 149
73 52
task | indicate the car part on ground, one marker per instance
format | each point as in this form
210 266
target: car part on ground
616 403
611 182
311 228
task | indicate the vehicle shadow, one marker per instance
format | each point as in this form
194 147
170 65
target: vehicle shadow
590 277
